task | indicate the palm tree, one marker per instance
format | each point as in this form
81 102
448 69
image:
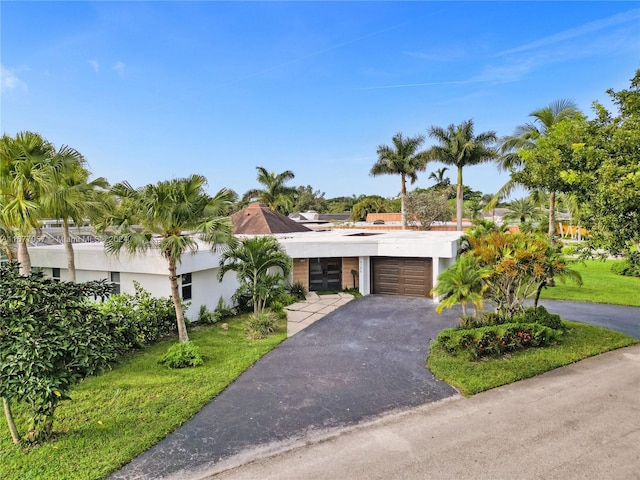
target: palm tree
170 216
525 137
460 147
438 177
253 260
521 210
75 198
7 242
275 194
461 283
401 159
29 170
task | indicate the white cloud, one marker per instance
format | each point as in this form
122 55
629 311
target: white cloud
581 31
95 65
10 81
119 67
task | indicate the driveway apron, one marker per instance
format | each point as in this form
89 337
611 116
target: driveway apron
360 361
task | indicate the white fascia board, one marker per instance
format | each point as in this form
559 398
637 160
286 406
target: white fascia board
93 257
383 244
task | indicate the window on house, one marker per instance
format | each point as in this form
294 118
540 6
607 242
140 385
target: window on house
114 278
186 286
55 273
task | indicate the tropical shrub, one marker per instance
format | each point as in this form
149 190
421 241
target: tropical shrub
182 355
541 316
223 310
140 319
496 340
51 337
205 316
261 265
261 324
462 283
630 267
278 309
298 290
519 266
538 315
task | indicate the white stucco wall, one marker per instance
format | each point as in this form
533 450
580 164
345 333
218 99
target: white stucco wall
149 269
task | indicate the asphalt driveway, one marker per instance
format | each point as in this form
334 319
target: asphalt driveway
364 359
615 317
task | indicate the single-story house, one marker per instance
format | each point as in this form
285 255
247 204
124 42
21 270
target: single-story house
394 262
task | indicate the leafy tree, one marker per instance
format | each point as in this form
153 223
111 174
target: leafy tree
257 263
28 171
370 204
608 187
51 337
428 207
74 198
170 216
462 283
404 159
460 147
308 199
274 194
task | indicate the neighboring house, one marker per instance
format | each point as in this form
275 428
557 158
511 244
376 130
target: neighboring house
387 262
315 220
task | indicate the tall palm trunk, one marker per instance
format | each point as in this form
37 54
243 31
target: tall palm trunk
68 247
177 303
403 195
15 436
23 256
459 201
552 216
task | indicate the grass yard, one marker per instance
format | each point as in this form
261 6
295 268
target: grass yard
116 416
579 342
601 285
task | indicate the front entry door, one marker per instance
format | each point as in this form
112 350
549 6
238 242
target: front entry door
325 274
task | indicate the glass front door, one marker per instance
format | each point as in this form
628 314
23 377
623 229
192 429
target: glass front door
325 274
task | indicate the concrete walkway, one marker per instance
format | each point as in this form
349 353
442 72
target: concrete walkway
302 314
578 422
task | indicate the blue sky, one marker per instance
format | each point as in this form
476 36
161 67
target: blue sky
149 91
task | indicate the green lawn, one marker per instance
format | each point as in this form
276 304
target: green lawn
579 342
116 416
601 285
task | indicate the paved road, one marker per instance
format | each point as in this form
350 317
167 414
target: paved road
363 360
580 422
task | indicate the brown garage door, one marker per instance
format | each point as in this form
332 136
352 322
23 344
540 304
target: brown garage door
402 276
